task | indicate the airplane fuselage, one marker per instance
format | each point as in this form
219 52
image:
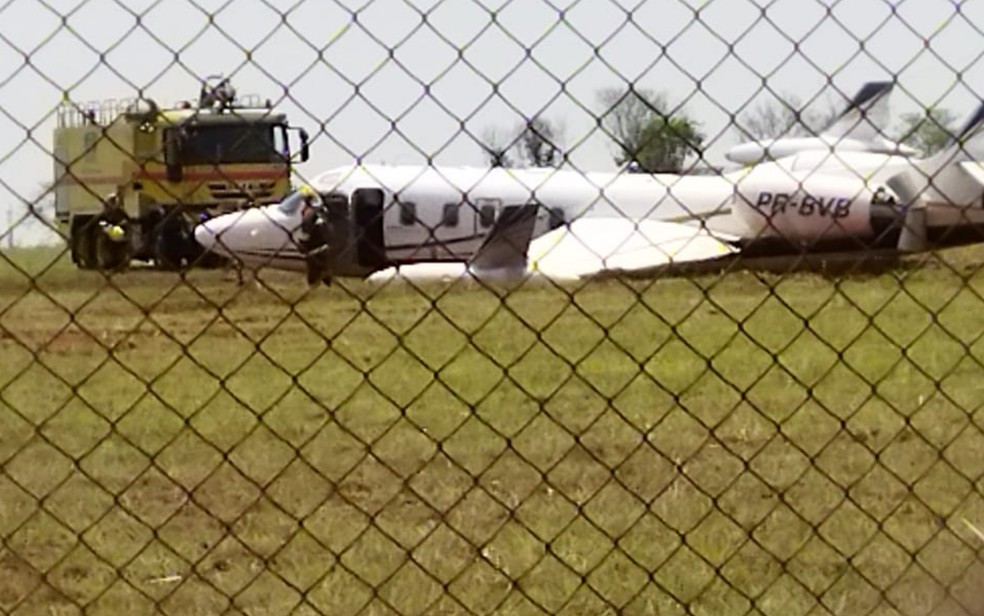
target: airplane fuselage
402 215
444 214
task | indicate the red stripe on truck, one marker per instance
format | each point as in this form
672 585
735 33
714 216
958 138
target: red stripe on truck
161 176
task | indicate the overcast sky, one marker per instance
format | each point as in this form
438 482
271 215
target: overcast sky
395 80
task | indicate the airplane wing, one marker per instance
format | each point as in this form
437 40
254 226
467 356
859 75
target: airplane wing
502 254
595 246
590 246
506 244
864 115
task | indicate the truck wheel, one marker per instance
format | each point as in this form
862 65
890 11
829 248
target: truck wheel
195 254
170 244
166 254
201 257
112 256
83 244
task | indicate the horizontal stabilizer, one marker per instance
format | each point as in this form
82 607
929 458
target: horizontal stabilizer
870 91
593 246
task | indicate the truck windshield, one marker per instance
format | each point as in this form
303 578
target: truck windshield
240 143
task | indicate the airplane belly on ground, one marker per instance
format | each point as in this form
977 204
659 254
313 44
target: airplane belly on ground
420 272
426 245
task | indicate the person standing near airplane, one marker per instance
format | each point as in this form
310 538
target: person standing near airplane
314 237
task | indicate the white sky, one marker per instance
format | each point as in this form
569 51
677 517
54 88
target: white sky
390 86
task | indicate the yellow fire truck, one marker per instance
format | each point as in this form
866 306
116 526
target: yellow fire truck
132 179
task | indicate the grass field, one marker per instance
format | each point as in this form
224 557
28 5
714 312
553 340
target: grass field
725 444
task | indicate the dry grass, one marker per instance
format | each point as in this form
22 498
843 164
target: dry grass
723 444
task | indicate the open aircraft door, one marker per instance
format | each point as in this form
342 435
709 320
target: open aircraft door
367 213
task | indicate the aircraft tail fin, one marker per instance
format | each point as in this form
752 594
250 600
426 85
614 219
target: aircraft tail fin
506 245
954 176
961 144
865 116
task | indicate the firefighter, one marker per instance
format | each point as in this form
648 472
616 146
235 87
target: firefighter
314 238
113 243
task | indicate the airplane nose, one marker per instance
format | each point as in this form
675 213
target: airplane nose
207 235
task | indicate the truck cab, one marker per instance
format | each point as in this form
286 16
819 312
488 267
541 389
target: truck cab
169 167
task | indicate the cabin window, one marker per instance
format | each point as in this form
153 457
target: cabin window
336 205
486 215
450 216
408 213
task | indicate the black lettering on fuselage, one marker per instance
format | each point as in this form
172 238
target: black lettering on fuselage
834 207
780 203
765 198
809 204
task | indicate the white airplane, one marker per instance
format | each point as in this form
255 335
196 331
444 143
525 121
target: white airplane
440 222
858 129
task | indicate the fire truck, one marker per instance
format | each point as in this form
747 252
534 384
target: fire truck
132 179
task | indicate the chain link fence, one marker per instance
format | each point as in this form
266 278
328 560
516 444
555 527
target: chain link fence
756 437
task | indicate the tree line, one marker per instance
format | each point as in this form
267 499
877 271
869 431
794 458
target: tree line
649 135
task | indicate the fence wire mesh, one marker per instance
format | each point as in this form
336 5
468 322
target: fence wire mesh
795 427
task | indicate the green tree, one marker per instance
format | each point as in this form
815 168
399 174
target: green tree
928 133
496 146
665 144
539 143
533 143
647 135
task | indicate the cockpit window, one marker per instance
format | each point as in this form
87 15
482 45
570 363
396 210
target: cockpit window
292 203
